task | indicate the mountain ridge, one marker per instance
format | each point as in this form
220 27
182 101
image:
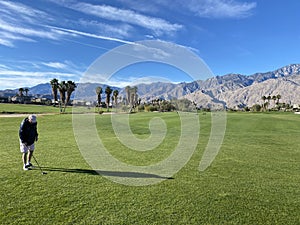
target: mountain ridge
230 89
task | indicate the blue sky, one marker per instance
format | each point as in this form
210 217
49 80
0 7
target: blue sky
45 39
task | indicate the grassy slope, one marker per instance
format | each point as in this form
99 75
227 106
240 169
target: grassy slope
254 179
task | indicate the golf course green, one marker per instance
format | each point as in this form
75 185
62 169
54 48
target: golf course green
254 179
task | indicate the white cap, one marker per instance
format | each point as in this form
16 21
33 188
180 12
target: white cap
32 118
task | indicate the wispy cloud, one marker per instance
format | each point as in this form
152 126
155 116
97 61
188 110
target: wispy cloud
157 25
131 81
15 74
16 78
122 81
65 67
116 30
31 24
11 9
91 35
32 73
6 42
24 26
2 67
12 28
13 37
202 8
56 65
221 8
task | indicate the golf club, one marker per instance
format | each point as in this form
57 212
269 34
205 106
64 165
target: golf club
43 172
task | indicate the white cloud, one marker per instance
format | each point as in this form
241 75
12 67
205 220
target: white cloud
67 67
12 37
11 9
119 30
2 66
122 82
91 35
30 23
221 8
12 28
21 22
158 25
22 73
6 42
56 65
147 6
16 79
11 83
17 73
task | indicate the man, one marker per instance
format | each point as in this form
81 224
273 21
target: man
28 135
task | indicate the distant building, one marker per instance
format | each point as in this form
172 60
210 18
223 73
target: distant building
296 107
41 100
3 99
82 103
20 99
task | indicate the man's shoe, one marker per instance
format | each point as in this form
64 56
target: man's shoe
28 165
25 168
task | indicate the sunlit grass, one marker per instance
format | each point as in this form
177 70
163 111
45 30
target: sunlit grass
253 180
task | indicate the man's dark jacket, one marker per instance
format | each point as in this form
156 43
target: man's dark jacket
28 132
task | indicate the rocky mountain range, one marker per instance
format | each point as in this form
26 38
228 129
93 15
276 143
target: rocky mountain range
239 90
230 90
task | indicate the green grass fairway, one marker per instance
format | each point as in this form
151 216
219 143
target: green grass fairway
24 108
255 178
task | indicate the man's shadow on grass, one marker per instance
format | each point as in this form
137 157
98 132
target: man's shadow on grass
106 173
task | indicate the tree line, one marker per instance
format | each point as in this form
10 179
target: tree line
22 90
266 103
131 102
267 99
131 97
65 89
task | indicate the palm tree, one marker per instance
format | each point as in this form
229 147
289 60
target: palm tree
62 88
54 85
21 90
278 98
108 92
70 87
133 98
264 99
99 92
269 98
134 91
274 98
127 90
115 94
26 91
